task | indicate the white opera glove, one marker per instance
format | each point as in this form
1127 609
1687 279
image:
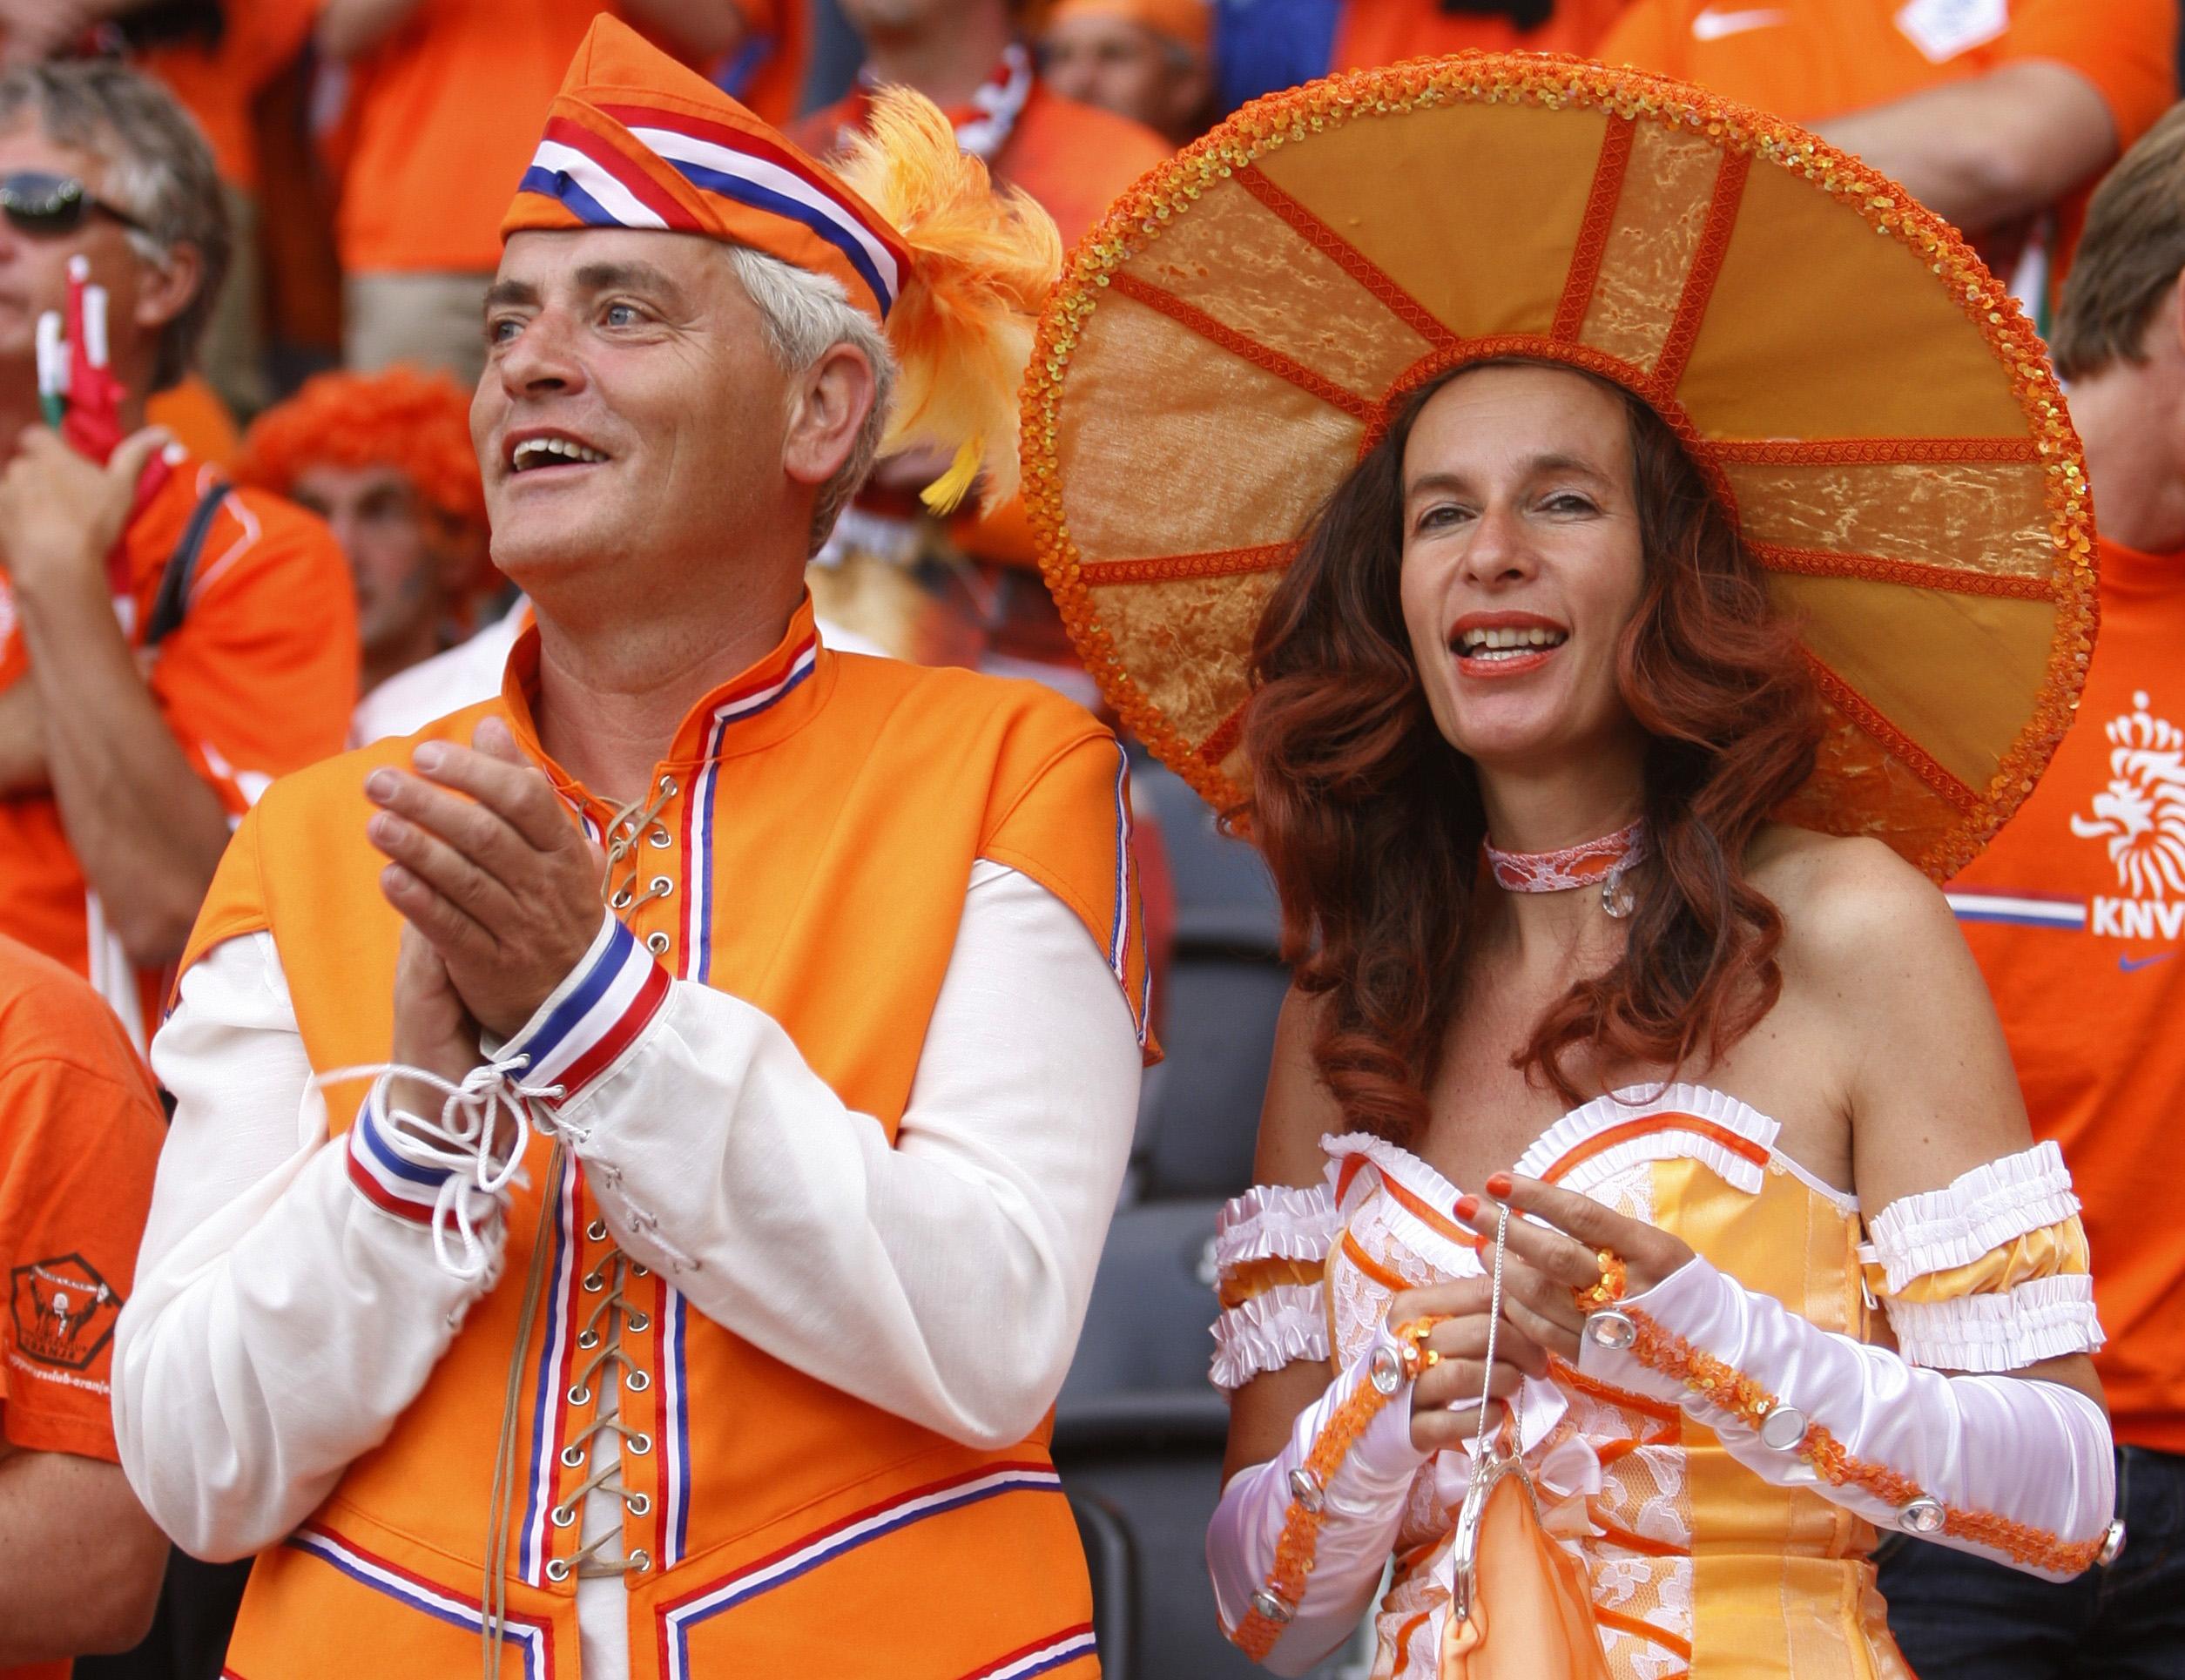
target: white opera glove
1362 1503
2011 1468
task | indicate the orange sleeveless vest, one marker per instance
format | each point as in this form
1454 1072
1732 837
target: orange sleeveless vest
826 814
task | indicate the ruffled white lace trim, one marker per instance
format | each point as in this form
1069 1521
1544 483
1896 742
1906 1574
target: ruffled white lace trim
1276 1222
2040 1319
1992 1204
1401 1166
1668 1144
1277 1327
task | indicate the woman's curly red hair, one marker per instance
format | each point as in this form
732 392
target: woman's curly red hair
1372 822
416 423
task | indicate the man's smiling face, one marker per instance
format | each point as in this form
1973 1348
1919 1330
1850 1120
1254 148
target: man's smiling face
630 402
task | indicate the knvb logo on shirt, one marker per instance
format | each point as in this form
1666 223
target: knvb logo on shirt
2140 819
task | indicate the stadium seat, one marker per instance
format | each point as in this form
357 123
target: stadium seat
1200 1118
1147 1330
1224 896
1106 1539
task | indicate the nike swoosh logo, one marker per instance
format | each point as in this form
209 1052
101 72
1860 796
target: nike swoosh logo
2131 965
1713 25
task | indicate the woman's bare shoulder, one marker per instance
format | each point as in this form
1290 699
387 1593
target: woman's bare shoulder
1854 910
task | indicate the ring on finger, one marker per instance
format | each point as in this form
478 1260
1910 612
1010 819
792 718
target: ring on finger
1608 1289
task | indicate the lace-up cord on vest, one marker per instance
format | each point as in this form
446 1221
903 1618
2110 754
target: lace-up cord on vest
606 1352
633 823
493 1597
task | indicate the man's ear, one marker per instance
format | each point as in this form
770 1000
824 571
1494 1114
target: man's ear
165 290
828 407
2167 330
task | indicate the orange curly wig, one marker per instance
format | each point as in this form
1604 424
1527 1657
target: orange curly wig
417 423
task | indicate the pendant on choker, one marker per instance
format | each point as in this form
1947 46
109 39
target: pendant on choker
1603 863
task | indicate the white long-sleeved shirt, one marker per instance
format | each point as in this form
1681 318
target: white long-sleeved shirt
282 1322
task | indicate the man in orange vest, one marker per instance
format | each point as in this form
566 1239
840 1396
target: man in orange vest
728 1048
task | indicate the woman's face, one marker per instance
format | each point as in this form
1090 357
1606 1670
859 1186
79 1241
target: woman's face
1522 562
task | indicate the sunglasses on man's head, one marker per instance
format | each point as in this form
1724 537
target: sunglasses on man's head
36 201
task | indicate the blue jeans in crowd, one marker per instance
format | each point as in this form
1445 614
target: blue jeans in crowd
1961 1618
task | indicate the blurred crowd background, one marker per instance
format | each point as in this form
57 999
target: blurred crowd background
366 151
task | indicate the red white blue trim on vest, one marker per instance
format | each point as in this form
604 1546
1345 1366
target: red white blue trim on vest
804 1556
556 1368
1041 1656
1119 934
527 1634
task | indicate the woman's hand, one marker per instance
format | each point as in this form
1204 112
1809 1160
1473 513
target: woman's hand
1445 1400
1545 1264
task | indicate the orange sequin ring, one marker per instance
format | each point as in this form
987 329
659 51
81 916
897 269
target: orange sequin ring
1273 1605
1609 1289
1730 1390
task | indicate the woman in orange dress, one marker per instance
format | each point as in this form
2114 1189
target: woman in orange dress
1651 644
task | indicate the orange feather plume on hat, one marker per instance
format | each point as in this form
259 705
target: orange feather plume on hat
984 260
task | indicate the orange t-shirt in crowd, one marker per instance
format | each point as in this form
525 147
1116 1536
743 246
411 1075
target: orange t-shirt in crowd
80 1131
198 420
1075 158
439 122
1377 33
216 85
259 679
2076 912
1809 60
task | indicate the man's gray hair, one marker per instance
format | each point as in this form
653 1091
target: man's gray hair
806 315
160 171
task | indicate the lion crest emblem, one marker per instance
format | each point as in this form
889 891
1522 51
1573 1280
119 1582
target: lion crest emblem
2140 814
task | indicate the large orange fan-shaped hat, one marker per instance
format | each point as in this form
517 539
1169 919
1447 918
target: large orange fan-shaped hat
1858 389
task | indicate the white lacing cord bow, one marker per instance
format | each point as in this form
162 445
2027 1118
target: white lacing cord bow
466 1142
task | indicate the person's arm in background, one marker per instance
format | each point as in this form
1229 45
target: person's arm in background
145 827
1984 151
2077 82
22 741
80 1130
346 28
80 1562
704 29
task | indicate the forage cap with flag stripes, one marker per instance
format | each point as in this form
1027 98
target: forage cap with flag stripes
1861 394
916 234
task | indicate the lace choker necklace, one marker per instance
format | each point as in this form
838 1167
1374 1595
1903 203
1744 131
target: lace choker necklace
1602 862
